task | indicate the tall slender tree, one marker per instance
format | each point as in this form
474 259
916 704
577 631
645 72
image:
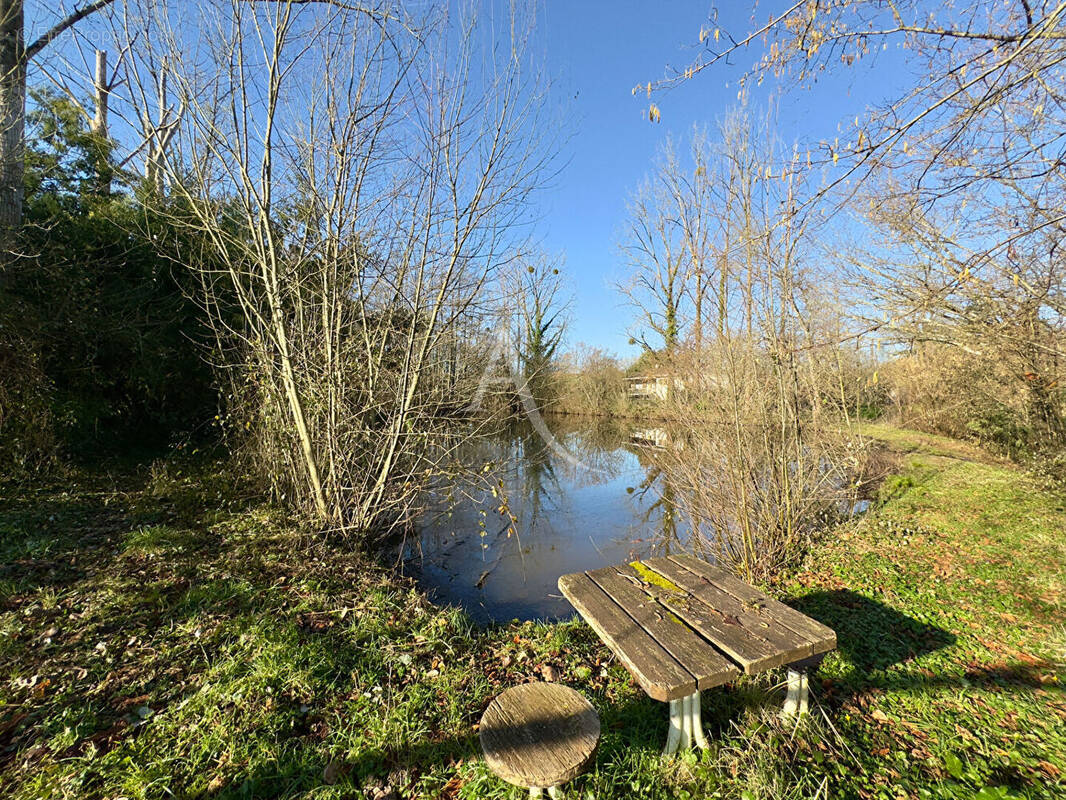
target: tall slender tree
15 56
541 325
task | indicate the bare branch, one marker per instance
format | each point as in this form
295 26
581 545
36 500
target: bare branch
63 25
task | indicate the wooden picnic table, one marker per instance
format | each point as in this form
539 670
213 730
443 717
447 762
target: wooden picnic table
681 625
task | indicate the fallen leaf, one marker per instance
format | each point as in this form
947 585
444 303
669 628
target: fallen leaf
549 673
1049 768
451 789
333 771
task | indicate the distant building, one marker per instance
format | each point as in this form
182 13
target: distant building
658 386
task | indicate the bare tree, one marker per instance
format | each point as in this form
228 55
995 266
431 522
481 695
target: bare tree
978 128
935 286
666 246
765 460
357 180
969 61
157 135
592 381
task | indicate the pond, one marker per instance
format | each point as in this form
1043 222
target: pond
585 496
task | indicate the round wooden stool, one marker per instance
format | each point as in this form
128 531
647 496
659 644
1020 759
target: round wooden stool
539 735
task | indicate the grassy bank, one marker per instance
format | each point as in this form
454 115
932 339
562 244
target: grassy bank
159 638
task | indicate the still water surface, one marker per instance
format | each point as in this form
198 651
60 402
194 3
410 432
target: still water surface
598 499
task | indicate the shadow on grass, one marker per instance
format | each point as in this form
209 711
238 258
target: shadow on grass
635 727
872 636
874 639
53 536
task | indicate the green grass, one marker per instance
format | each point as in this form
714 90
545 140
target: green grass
948 605
160 639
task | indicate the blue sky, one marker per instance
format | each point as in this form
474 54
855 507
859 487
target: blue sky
596 52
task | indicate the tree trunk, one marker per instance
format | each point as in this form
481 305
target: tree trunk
157 138
102 145
12 114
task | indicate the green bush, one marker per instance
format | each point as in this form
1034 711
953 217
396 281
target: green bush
870 411
27 440
99 338
1049 465
1000 428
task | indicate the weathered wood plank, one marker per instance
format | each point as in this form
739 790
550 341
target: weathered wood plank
539 734
790 646
752 651
657 672
821 637
708 666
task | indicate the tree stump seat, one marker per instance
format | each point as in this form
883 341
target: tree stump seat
539 735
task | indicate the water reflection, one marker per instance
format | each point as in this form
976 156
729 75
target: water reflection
498 553
658 496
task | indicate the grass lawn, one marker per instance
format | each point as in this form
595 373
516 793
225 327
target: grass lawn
161 639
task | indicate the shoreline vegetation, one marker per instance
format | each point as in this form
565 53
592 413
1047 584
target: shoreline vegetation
161 635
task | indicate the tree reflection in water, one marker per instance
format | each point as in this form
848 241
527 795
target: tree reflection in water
498 550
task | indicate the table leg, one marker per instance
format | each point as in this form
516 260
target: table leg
696 721
686 728
797 694
673 736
